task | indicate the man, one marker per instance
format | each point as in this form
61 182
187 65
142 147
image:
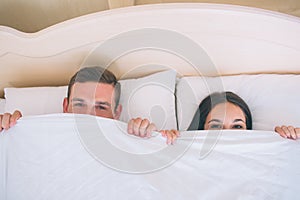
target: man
96 91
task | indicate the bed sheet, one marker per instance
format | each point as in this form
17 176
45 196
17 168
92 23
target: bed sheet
66 156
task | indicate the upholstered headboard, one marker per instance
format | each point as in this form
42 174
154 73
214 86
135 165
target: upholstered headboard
194 39
35 15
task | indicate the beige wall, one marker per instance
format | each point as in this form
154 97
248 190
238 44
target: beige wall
286 6
34 15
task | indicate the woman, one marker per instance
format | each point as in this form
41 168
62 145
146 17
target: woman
227 110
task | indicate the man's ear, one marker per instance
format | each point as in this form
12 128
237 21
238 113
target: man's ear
65 105
118 112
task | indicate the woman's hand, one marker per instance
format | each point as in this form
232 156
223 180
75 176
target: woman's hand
289 132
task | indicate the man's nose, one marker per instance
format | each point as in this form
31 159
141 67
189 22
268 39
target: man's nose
91 110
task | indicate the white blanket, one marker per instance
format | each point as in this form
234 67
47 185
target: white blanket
65 156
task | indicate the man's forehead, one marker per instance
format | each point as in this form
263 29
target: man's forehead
93 87
92 92
92 84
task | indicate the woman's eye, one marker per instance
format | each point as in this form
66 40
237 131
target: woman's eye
215 126
237 127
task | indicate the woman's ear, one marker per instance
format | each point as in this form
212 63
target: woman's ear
65 105
118 112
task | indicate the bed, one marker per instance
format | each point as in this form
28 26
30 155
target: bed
168 57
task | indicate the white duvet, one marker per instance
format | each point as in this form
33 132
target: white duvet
65 156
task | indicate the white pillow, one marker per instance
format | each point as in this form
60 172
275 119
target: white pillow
150 97
272 99
35 100
2 105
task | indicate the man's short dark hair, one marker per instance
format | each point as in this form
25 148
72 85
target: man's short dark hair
99 75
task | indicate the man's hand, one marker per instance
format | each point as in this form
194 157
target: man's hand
289 132
8 120
143 128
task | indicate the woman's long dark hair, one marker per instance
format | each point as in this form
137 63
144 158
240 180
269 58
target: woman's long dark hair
214 99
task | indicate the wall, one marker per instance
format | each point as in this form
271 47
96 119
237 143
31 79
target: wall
34 15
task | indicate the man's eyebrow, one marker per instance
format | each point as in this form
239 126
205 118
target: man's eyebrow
96 103
214 120
77 99
102 103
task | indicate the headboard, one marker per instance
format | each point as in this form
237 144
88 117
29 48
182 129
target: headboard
227 39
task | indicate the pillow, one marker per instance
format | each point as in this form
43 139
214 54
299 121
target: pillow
273 99
2 105
35 100
150 97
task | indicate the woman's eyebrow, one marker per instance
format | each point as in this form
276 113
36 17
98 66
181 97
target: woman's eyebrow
238 120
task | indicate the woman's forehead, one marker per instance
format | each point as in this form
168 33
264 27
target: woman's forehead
227 109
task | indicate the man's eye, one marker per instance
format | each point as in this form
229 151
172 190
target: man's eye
237 127
100 107
215 126
78 105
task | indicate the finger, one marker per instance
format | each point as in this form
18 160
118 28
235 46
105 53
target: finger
163 133
5 120
175 134
136 126
173 137
297 130
280 132
130 126
170 135
286 130
143 127
292 132
150 128
15 116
